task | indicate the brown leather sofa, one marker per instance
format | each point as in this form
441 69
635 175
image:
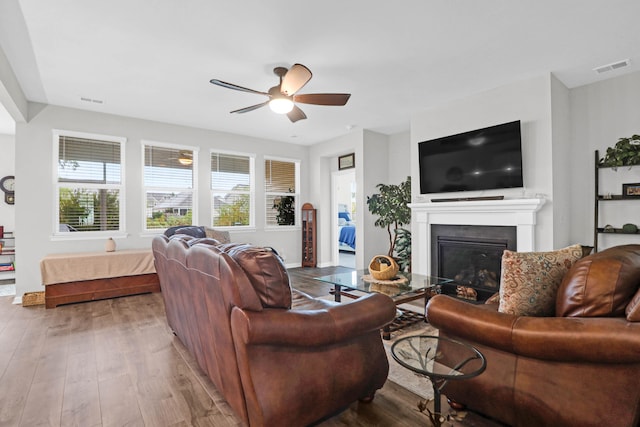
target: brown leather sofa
278 356
579 368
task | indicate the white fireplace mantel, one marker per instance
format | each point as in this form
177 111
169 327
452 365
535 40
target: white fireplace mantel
520 213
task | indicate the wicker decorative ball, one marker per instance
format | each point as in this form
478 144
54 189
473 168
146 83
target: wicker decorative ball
383 267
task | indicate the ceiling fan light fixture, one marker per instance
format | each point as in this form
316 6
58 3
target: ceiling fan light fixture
281 105
185 158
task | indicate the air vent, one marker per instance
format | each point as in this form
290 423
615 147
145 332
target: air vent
95 101
612 66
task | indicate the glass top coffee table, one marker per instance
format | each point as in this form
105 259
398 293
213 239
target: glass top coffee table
404 288
441 360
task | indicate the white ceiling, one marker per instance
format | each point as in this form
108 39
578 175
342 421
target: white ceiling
153 59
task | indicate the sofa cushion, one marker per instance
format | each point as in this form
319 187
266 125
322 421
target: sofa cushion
530 280
633 308
265 271
601 284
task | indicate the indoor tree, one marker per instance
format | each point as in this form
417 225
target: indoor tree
391 207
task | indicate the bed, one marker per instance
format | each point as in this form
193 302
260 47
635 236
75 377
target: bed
346 232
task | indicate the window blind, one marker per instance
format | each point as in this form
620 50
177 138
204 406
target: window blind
89 184
168 182
280 192
231 192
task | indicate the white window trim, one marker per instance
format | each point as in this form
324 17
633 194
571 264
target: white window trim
252 192
194 197
298 209
56 235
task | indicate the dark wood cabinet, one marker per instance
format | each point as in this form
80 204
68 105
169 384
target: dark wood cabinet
309 256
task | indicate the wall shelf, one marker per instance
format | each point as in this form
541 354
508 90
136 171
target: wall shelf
599 199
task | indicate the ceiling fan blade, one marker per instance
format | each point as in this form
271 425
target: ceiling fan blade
296 114
323 98
295 79
253 107
235 87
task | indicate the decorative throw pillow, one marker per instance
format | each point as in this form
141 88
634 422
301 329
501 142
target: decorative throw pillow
530 280
221 236
193 231
493 299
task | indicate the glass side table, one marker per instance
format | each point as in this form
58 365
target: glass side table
439 359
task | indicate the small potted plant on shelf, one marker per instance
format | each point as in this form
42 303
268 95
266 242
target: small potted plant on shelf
626 152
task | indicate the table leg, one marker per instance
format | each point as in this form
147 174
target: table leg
337 293
386 331
436 400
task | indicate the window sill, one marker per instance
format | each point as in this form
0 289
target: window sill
88 235
283 228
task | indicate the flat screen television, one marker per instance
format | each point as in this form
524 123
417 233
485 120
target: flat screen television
483 159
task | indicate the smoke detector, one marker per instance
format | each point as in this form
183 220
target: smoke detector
612 66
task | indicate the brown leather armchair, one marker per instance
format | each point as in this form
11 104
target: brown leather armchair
579 368
278 356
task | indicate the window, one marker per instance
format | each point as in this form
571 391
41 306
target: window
89 183
232 190
168 186
281 180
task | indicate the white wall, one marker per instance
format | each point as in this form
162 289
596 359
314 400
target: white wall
373 240
323 160
34 183
601 113
561 157
528 101
400 152
7 167
372 165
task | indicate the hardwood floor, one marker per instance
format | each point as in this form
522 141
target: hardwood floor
115 363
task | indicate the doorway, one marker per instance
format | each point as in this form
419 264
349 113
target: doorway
344 218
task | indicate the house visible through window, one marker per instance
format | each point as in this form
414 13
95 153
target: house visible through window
281 178
232 190
89 183
168 186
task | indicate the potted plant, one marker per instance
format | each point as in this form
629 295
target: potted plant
286 210
391 206
626 152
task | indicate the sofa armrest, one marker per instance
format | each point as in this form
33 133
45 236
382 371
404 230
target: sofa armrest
578 339
562 339
477 323
313 327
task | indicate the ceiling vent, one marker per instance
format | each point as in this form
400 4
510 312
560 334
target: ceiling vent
612 66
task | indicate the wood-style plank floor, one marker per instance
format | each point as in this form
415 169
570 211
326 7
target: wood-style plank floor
116 363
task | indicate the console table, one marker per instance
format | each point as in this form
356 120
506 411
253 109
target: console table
89 276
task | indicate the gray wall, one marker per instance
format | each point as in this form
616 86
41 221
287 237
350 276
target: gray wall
35 190
528 101
601 113
7 167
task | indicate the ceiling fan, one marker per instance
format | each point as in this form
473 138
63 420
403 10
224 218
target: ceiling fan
185 157
283 96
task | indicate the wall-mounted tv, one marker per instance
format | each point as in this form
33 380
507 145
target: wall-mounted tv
483 159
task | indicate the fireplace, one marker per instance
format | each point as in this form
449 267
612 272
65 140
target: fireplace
519 213
471 255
